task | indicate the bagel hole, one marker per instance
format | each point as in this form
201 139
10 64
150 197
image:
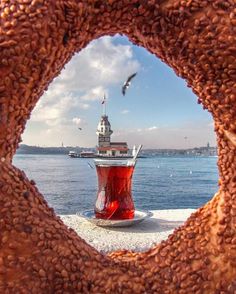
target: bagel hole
158 111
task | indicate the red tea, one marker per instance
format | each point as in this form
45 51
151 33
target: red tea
114 198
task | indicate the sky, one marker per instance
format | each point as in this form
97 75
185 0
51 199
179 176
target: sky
158 110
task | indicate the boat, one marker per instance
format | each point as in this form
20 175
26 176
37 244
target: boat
73 154
87 154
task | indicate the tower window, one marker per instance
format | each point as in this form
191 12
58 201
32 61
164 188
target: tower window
101 129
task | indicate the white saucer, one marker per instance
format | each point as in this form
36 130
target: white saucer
139 216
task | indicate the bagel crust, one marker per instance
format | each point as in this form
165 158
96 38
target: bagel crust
38 253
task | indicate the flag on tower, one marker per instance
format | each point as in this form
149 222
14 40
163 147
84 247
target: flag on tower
104 99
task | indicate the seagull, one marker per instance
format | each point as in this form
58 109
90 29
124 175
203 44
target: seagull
127 83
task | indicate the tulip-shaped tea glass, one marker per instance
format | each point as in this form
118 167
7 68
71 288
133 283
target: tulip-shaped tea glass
114 198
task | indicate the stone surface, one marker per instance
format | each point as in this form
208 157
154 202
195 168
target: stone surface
139 237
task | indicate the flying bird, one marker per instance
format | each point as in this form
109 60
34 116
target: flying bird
127 83
104 99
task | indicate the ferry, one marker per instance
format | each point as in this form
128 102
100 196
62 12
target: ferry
87 154
73 154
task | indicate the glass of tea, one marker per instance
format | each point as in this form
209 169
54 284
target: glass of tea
114 197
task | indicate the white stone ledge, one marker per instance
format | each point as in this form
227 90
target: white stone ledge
139 237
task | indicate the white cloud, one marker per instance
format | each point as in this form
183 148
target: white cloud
152 128
100 64
83 106
125 111
53 106
77 120
84 80
94 94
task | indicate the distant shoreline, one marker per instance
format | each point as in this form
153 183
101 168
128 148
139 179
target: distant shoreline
197 151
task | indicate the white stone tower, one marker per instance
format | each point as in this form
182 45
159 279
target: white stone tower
104 132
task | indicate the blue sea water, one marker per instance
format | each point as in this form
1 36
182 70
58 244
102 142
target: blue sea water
69 184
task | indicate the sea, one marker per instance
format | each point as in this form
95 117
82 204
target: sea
70 184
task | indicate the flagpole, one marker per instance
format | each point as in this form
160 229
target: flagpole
104 105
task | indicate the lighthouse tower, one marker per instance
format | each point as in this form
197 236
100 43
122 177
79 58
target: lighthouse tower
104 132
105 147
